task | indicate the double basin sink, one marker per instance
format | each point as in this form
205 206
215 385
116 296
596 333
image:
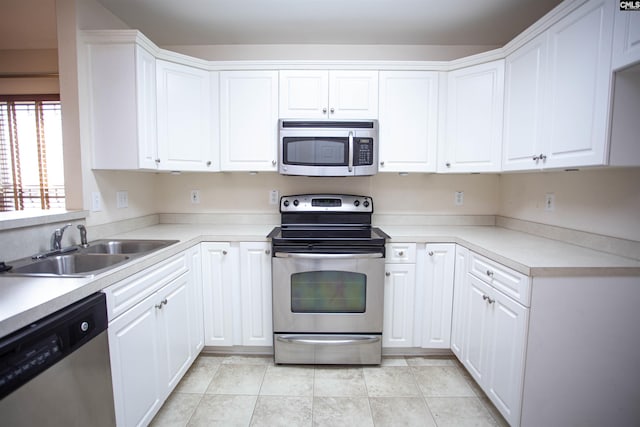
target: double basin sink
76 261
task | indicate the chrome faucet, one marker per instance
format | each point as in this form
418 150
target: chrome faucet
56 237
83 235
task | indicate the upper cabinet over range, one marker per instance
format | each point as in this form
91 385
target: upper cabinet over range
322 94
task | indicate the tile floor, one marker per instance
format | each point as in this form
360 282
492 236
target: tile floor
252 391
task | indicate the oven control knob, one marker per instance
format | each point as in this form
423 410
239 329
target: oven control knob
296 202
356 203
285 203
366 203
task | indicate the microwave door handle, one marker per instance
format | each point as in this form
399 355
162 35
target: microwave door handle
350 151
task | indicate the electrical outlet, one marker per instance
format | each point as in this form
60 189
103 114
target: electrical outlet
122 199
96 202
273 197
459 198
195 197
549 202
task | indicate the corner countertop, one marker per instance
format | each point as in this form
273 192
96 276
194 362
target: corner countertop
24 300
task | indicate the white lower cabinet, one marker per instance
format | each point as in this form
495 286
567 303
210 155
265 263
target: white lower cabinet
237 294
153 343
490 335
438 295
399 291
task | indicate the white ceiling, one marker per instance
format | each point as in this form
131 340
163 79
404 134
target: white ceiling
433 22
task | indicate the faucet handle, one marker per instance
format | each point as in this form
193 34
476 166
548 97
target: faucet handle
83 235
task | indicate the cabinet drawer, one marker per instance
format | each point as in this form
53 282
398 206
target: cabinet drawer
400 253
130 291
512 283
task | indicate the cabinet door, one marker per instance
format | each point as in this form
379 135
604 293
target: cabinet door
255 288
506 354
184 115
626 39
399 292
220 277
136 358
477 326
248 120
473 138
304 94
196 300
122 90
408 121
353 94
460 286
438 295
578 87
174 329
525 80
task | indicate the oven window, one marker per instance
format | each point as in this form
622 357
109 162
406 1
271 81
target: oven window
315 151
328 292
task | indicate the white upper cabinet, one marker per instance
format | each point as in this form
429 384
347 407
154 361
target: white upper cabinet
321 94
577 91
525 77
473 135
626 39
408 121
185 142
248 120
122 106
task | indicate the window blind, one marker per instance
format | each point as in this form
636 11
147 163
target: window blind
31 167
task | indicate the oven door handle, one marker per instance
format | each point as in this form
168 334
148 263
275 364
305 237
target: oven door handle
328 256
300 339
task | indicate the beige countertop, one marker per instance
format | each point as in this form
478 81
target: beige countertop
24 300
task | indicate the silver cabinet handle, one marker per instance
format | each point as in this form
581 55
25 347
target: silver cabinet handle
163 302
224 252
387 274
489 273
488 299
430 253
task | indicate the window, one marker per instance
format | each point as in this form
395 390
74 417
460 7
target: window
31 168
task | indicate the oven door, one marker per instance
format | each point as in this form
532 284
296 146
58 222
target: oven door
328 293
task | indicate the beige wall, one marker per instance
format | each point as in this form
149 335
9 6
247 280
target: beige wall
32 61
242 192
602 201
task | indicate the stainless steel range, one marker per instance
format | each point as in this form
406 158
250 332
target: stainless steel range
328 279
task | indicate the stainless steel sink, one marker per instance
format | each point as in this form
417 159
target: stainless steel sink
126 246
70 265
99 256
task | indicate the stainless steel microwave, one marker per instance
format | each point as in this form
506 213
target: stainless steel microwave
328 148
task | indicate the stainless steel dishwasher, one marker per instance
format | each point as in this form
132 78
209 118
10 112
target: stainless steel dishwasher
56 371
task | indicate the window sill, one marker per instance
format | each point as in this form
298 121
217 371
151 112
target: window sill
19 219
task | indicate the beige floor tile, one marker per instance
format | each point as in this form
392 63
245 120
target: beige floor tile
497 416
442 381
227 411
400 411
198 377
238 359
237 379
390 381
287 381
430 361
285 411
341 411
393 361
459 412
177 410
339 381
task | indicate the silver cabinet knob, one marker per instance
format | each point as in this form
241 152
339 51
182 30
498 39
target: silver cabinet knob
543 157
401 253
209 163
273 162
430 253
158 161
324 110
387 274
382 163
536 158
84 326
163 302
224 252
489 273
267 251
333 110
448 164
488 299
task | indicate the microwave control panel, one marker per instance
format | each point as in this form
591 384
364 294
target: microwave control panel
363 151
